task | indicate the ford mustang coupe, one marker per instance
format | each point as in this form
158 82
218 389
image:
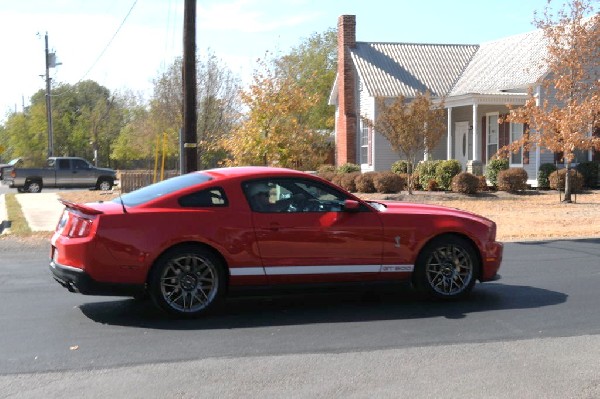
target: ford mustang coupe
189 240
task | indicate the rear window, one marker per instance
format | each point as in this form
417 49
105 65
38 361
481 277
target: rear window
157 190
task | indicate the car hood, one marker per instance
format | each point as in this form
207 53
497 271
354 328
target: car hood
415 208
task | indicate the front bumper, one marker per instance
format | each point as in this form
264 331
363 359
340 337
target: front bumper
77 280
492 258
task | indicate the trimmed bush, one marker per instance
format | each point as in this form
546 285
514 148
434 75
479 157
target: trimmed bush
494 166
364 182
400 166
545 170
388 182
426 172
589 171
465 183
325 169
348 181
337 179
482 184
445 171
512 180
348 168
557 180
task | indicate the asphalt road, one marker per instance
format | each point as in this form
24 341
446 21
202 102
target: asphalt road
534 333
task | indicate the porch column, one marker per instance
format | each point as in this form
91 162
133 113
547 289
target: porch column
449 138
476 144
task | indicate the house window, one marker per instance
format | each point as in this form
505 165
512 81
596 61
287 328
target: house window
364 143
492 135
516 133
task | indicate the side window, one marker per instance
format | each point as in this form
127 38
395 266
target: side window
63 164
292 195
80 164
209 198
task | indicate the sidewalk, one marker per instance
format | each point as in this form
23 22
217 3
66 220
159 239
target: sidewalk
42 211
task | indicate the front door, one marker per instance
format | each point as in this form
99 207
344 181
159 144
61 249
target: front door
461 143
307 237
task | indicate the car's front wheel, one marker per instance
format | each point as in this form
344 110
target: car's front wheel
447 267
187 281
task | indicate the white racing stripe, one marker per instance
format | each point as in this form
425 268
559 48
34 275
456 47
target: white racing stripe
334 269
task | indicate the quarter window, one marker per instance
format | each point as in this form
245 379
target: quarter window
212 197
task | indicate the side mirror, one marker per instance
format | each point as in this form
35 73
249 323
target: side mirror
351 205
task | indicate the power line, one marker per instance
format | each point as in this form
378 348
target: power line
110 41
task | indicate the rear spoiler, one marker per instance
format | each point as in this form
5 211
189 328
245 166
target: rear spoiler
80 207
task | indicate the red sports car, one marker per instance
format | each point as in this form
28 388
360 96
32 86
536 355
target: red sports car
189 240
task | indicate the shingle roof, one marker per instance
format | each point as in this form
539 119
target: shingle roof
393 69
507 64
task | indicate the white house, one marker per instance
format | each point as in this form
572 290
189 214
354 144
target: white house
477 82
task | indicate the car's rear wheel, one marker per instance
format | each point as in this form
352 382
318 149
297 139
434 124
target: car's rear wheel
33 186
447 267
188 281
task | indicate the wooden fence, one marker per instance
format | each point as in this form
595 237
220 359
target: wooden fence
133 179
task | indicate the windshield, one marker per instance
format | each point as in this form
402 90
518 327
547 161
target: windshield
157 190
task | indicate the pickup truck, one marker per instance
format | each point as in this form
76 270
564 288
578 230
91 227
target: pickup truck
60 172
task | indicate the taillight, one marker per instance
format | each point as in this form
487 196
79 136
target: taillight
80 227
76 226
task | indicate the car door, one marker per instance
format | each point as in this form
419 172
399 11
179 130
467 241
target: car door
308 237
83 173
63 172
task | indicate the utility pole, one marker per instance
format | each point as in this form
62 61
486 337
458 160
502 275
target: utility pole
49 101
190 116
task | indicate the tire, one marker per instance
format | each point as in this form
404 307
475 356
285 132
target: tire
33 186
447 268
187 281
104 185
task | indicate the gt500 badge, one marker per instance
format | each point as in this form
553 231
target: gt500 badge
396 268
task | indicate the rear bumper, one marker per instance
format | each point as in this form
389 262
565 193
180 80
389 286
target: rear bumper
77 280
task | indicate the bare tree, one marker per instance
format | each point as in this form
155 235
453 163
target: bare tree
412 127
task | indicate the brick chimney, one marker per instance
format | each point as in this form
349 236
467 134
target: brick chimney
346 120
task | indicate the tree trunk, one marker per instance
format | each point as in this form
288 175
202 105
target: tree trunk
567 198
409 172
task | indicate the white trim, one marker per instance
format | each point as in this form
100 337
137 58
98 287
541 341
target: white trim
247 271
334 269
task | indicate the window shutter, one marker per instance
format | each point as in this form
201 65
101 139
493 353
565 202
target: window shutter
526 153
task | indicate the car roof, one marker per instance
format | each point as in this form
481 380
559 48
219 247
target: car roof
252 171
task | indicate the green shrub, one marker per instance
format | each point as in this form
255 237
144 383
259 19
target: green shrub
494 166
364 182
388 182
512 180
465 183
348 181
400 166
348 168
557 180
589 171
543 174
426 172
445 171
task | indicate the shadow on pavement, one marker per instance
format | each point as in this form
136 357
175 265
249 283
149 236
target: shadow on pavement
249 312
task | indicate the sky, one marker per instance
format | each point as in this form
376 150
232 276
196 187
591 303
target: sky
126 44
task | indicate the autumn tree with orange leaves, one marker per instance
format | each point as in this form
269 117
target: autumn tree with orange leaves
276 131
563 118
412 127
